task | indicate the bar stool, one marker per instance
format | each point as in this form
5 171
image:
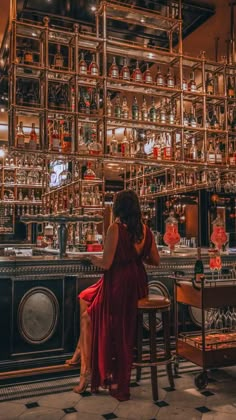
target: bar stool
152 305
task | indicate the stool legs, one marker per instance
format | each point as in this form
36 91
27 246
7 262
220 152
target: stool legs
139 344
153 356
166 327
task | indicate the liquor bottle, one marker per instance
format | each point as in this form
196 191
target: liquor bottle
82 147
147 76
19 94
20 136
170 81
159 77
82 104
125 144
137 74
113 144
83 70
135 109
144 110
171 114
214 122
28 55
132 142
218 152
153 112
66 139
114 69
209 84
55 138
33 138
186 119
125 72
95 147
52 100
93 104
157 148
162 113
31 97
198 267
211 157
167 149
192 118
117 107
193 153
232 155
230 88
58 58
93 67
20 195
184 84
109 106
62 98
192 84
125 108
89 173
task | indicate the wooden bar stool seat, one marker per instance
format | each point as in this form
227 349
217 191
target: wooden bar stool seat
151 305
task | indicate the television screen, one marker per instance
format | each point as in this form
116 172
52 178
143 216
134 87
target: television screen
57 170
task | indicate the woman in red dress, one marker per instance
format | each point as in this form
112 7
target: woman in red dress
109 308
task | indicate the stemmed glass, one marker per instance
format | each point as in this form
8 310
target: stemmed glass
219 320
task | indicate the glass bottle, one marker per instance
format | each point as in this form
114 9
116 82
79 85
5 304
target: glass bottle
167 149
89 173
19 94
83 69
114 69
125 108
66 139
147 76
192 118
55 138
93 67
218 152
153 111
33 138
144 110
232 154
109 106
20 136
162 113
114 144
62 99
58 58
170 81
82 104
137 74
193 153
95 146
159 77
209 84
192 84
157 148
117 107
125 144
184 84
82 147
186 119
93 104
31 97
230 88
135 109
171 114
52 101
211 157
214 122
28 55
125 72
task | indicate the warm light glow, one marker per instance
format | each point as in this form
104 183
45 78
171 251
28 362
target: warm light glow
93 8
2 109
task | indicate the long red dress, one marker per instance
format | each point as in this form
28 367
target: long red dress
113 310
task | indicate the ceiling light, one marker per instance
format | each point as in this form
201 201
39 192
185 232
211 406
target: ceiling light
2 153
93 8
34 34
2 110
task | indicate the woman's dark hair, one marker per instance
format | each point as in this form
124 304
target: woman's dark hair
127 208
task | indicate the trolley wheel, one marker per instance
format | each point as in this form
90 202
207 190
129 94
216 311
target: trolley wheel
201 380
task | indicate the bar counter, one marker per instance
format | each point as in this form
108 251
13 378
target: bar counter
39 311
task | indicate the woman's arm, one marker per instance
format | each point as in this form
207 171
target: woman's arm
153 258
110 246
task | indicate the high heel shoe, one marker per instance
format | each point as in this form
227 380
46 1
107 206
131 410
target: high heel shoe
75 362
87 381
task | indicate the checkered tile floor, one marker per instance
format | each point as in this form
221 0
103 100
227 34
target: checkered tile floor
54 399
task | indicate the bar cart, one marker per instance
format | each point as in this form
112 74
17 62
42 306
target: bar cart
214 345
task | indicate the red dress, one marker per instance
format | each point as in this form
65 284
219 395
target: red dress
113 310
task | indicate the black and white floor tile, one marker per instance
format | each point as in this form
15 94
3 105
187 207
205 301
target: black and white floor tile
55 400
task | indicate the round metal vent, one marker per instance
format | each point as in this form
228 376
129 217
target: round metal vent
38 315
155 288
